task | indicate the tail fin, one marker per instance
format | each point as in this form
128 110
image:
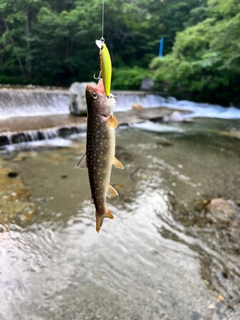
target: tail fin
99 218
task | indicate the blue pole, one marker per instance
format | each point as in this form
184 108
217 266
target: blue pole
161 47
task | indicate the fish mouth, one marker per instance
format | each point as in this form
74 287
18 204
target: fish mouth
102 104
98 89
91 88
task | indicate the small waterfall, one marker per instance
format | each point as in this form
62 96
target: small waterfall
10 138
125 100
32 102
148 100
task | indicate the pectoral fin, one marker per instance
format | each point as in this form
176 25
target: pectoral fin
117 163
112 122
111 193
83 162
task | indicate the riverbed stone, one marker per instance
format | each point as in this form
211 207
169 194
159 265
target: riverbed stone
4 140
77 105
137 106
174 116
221 209
13 197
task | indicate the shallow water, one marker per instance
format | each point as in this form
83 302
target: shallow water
162 257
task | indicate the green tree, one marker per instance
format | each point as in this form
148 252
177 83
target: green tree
16 19
204 62
52 42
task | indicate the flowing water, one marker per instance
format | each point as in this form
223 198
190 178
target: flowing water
39 101
168 254
32 101
164 256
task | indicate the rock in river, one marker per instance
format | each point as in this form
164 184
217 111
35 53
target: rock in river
221 209
13 197
77 105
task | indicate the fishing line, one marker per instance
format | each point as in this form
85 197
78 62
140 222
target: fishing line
102 39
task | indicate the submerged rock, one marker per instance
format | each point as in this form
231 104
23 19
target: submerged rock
19 157
164 143
137 106
175 116
12 174
77 105
221 209
13 197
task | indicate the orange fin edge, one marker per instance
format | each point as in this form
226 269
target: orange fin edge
112 122
111 192
117 163
99 219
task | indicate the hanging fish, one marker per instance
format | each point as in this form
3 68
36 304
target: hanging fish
105 65
100 150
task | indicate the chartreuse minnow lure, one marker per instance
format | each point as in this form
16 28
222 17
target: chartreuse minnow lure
105 65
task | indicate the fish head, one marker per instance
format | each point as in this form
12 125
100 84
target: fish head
98 102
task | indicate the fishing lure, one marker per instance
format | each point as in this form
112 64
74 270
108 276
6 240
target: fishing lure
105 65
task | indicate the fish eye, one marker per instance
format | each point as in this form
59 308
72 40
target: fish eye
94 95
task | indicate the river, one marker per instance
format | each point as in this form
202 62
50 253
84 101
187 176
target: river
167 254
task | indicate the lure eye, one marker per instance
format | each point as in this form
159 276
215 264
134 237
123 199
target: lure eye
94 95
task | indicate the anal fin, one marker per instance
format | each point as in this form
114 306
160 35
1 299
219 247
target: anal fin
117 164
111 193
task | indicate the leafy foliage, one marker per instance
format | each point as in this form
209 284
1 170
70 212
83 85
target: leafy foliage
129 78
51 42
205 60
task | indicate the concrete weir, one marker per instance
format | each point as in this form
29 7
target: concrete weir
24 129
35 113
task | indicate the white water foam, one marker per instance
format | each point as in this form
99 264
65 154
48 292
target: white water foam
157 127
22 103
54 142
30 103
198 109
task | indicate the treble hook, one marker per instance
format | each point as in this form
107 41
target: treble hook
99 76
